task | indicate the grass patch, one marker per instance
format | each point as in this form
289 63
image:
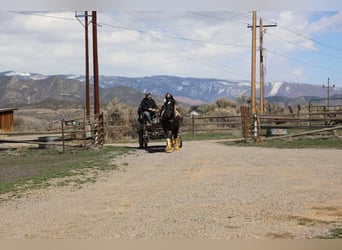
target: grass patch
335 233
331 143
236 139
210 136
21 170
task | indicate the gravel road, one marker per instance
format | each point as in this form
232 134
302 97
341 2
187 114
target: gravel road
203 191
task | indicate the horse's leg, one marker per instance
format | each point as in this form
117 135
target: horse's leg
176 126
175 130
168 147
173 133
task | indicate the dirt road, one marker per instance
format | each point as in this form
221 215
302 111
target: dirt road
204 191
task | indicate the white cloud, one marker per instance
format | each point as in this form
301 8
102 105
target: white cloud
298 73
332 21
200 44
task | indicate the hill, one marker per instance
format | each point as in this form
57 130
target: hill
29 88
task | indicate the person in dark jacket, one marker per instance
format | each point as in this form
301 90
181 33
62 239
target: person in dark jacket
169 98
148 107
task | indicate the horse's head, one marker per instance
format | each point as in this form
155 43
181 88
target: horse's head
168 110
170 120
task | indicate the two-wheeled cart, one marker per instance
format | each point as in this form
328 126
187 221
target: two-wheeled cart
154 131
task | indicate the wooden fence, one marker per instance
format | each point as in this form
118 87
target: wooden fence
244 124
97 131
241 125
64 134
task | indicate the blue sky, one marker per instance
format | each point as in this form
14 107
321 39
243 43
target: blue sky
305 46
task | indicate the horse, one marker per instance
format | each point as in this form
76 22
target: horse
170 120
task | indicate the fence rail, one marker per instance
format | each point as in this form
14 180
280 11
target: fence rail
97 131
243 122
65 133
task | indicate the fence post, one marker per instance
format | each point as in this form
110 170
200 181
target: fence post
256 129
244 121
193 126
99 130
63 134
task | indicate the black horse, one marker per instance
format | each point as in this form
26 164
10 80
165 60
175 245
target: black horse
170 120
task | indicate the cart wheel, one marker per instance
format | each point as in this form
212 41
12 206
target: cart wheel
180 141
145 141
141 138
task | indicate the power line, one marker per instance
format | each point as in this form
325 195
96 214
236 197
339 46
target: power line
314 40
41 15
307 38
315 52
180 38
199 41
172 36
310 64
187 59
215 17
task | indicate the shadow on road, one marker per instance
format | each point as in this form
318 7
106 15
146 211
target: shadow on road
156 149
149 149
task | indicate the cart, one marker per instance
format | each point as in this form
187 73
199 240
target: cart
151 132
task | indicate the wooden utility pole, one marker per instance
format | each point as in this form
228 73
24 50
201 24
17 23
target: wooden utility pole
96 67
262 75
262 79
328 89
262 71
87 92
253 66
87 65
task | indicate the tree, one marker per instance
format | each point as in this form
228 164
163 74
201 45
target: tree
242 99
225 103
206 108
115 111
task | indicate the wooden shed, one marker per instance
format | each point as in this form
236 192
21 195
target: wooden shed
6 120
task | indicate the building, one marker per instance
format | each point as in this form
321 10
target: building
6 120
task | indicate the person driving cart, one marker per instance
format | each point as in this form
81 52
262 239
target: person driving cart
148 108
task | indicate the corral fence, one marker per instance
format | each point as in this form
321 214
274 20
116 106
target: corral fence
327 109
323 118
64 134
214 124
240 125
97 130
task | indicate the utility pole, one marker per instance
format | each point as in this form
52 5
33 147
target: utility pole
328 90
262 79
262 71
262 75
87 92
96 67
253 66
87 65
253 81
253 77
98 127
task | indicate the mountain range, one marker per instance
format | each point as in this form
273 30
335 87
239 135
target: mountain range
27 88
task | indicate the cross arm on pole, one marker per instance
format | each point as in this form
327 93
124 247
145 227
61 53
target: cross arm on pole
265 25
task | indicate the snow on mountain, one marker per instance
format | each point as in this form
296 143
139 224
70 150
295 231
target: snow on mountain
275 88
12 73
24 75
